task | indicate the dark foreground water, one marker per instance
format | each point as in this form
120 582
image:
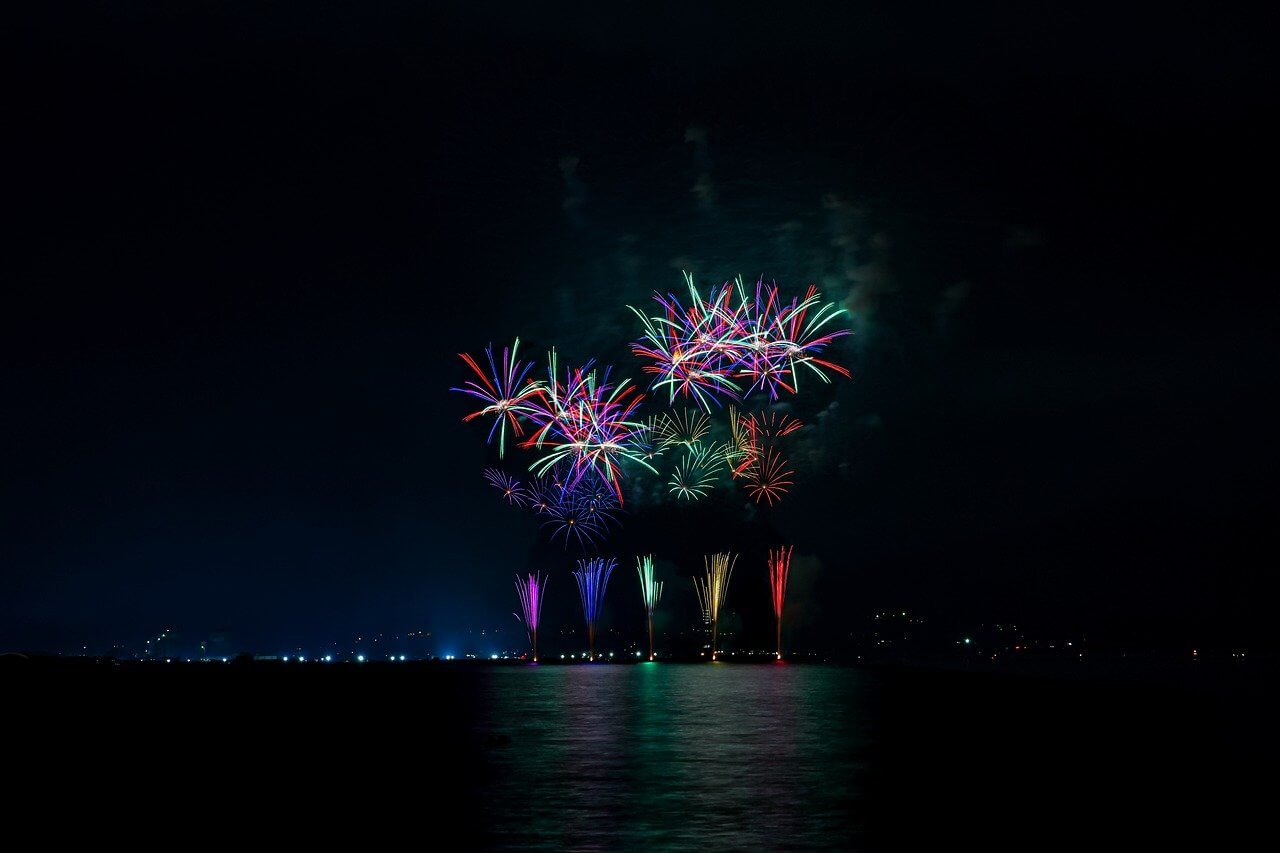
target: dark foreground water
689 755
650 756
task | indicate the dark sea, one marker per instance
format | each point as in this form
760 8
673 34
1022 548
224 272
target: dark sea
644 756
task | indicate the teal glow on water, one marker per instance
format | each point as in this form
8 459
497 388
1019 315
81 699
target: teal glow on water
668 754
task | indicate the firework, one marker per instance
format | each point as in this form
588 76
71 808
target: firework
542 495
779 568
504 391
713 589
650 591
685 427
692 349
592 577
512 491
768 477
646 441
532 590
695 474
705 350
585 423
770 425
584 513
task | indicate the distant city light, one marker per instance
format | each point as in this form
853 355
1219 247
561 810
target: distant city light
285 658
493 657
328 658
359 658
966 641
401 657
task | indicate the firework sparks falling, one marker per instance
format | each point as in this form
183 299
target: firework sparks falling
592 577
779 569
650 591
531 590
714 588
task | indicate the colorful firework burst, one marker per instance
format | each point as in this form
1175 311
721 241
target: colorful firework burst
586 423
504 390
692 349
700 351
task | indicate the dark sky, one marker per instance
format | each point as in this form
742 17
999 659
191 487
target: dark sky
247 240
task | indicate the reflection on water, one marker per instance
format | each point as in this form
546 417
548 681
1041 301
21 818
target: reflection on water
719 755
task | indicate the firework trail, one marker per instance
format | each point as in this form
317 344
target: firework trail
779 569
713 589
593 576
650 591
503 390
532 590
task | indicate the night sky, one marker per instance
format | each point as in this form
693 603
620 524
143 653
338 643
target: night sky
246 244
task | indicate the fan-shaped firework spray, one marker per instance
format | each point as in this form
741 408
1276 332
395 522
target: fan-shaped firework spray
592 577
531 590
779 568
713 589
650 591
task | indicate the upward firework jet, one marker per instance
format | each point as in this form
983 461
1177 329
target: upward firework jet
779 568
713 589
650 591
592 577
531 590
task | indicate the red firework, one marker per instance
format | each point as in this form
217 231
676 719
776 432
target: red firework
779 568
768 478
